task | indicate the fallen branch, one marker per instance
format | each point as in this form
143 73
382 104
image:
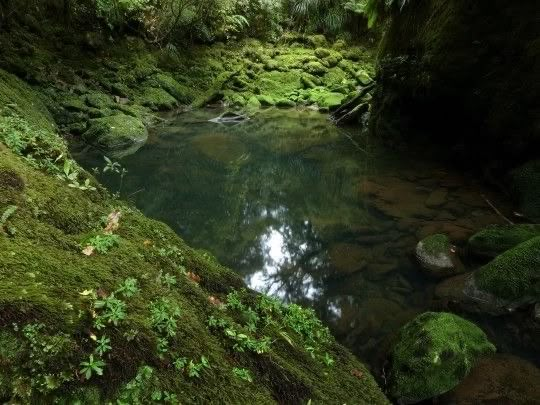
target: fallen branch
496 210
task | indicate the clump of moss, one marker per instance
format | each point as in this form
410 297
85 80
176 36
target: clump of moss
497 239
434 353
116 132
513 275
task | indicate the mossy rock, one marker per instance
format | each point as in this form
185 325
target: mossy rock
265 100
436 256
156 99
526 185
98 100
253 104
325 99
513 275
496 239
74 104
180 92
435 351
116 132
315 68
285 103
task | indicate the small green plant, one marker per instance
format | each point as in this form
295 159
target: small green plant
92 366
115 167
112 310
164 315
180 363
168 280
243 374
71 175
133 391
195 369
103 345
103 243
128 288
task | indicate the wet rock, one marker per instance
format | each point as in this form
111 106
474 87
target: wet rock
496 239
437 198
116 132
497 379
435 351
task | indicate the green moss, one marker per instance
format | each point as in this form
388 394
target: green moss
98 100
180 92
265 100
156 99
513 275
497 239
315 68
526 184
437 244
434 353
116 132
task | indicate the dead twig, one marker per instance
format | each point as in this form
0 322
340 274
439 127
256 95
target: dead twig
496 210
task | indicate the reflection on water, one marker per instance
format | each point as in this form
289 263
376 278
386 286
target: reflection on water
305 213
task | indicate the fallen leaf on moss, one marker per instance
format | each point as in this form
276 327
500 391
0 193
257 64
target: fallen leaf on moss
113 222
357 373
194 277
215 301
148 243
89 250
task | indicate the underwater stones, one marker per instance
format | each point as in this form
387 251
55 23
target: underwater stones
513 275
157 99
497 379
347 258
116 132
219 147
315 68
496 239
434 352
526 186
436 256
437 198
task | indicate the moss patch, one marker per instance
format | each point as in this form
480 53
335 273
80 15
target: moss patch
497 239
513 275
434 353
116 132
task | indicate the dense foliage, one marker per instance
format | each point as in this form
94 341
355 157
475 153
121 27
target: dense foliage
164 21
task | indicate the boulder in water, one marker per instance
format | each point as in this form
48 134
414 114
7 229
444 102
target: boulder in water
496 239
437 256
434 353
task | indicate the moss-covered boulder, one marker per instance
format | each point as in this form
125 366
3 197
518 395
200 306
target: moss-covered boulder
496 239
437 256
526 186
435 351
156 99
98 100
315 68
180 92
116 132
515 274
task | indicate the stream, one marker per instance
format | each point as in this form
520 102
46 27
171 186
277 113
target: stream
308 212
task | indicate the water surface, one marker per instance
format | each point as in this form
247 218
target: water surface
306 212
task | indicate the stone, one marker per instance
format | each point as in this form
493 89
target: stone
265 100
437 257
180 92
285 103
434 353
98 100
157 99
347 258
497 379
437 198
116 132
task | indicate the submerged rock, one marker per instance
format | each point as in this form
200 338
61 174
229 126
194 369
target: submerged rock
434 353
437 256
497 379
222 148
116 132
496 239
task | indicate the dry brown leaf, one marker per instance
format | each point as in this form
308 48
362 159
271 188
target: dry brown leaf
357 373
89 250
215 301
194 277
113 222
148 243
